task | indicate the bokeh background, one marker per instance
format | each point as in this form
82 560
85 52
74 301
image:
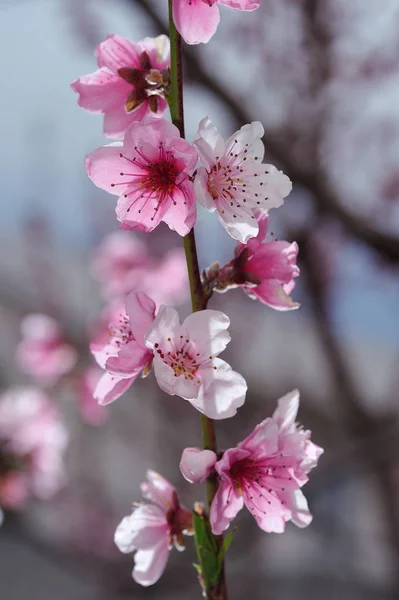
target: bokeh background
322 76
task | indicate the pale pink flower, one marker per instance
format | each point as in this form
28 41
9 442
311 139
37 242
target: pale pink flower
196 465
263 269
266 471
32 443
151 174
129 84
152 529
233 181
90 411
185 361
123 264
197 20
43 353
120 348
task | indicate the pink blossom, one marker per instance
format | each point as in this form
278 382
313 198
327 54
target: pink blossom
150 172
129 84
42 353
265 472
32 442
90 411
185 361
263 269
197 20
123 264
152 529
196 465
120 349
233 181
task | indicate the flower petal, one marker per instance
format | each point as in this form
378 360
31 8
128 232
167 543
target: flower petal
159 490
140 309
111 387
207 329
209 143
222 391
151 563
115 52
196 465
196 21
103 166
225 506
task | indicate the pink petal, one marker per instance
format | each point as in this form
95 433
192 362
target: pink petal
196 20
222 391
103 167
117 120
130 361
159 490
111 387
196 465
182 216
101 91
116 52
225 506
272 293
241 4
140 309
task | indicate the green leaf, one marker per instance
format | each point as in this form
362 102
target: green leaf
225 546
207 550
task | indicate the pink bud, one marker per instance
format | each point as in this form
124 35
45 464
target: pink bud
196 465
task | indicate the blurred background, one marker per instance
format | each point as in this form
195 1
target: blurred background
322 76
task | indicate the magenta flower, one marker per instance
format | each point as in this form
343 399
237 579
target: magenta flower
150 173
120 348
233 181
152 529
265 472
42 353
123 264
197 20
32 442
263 269
186 363
129 84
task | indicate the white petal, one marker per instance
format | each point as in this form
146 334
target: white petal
208 330
222 392
209 143
164 326
287 410
151 563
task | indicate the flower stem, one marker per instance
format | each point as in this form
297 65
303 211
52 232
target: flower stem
199 298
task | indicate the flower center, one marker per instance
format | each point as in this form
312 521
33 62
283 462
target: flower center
235 180
156 180
120 331
181 356
148 84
